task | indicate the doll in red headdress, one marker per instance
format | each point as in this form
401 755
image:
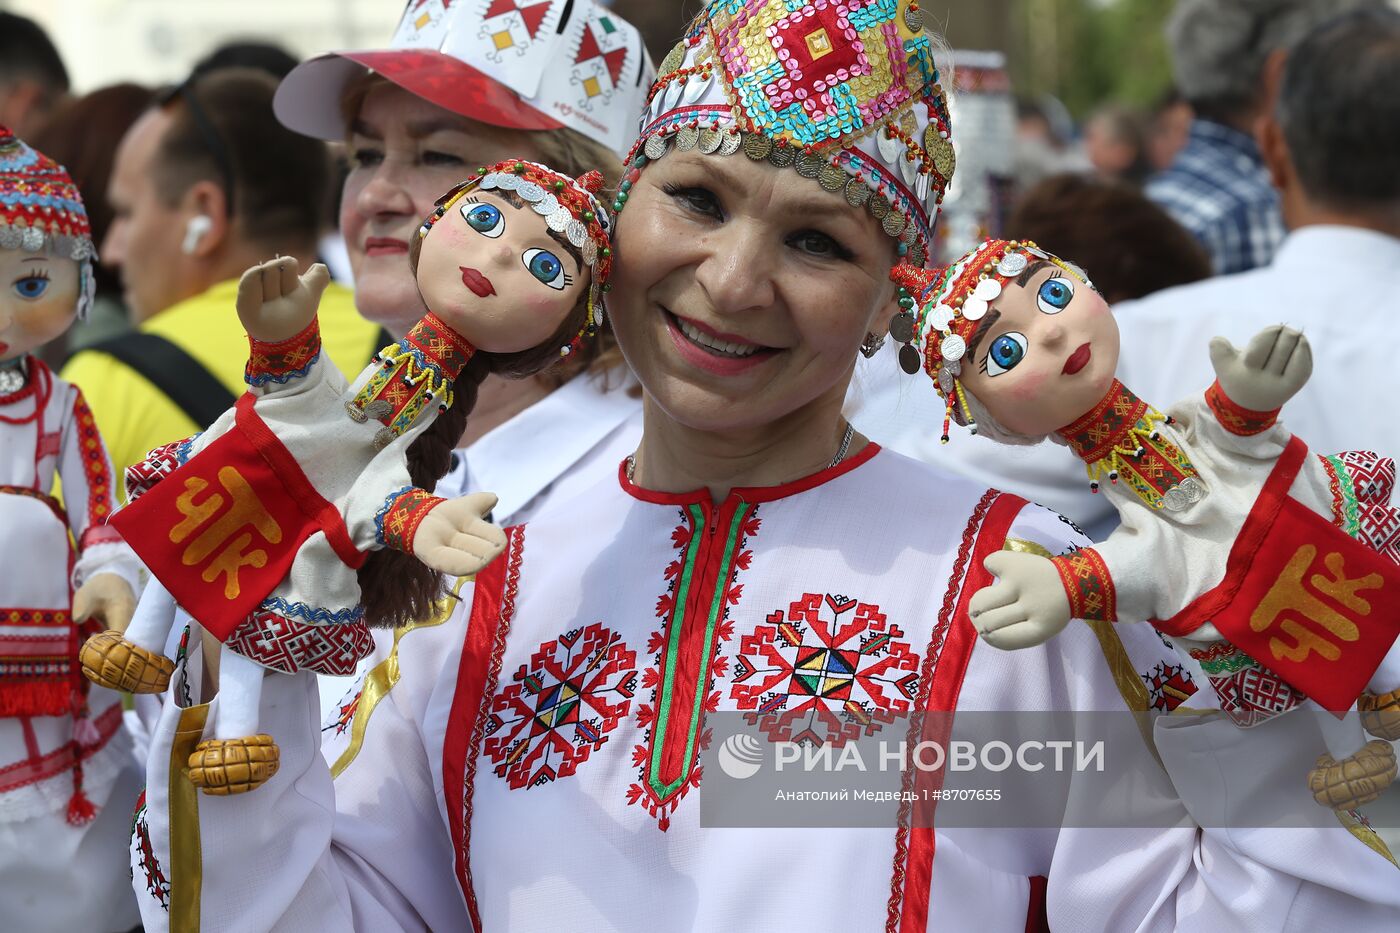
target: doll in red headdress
306 513
62 747
1250 554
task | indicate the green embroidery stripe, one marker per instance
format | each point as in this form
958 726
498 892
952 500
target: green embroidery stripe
1351 516
673 642
1229 664
702 674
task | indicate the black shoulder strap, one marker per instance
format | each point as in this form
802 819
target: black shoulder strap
179 376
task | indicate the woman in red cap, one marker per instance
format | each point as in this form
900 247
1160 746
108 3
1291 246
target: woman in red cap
464 85
555 749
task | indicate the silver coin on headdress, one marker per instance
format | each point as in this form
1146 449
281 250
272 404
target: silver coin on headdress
590 252
655 146
857 192
559 220
953 347
686 138
730 142
33 240
576 232
987 290
709 139
1012 264
546 205
974 308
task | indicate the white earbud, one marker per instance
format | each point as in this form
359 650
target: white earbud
194 232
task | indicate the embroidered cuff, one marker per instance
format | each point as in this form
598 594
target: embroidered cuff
99 534
1236 419
157 465
398 519
1088 584
285 360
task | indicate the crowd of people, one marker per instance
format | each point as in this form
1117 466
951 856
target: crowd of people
730 465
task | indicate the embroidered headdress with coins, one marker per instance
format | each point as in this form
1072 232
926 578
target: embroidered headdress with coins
947 304
844 92
42 211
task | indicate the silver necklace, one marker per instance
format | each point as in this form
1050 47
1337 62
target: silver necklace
12 376
840 452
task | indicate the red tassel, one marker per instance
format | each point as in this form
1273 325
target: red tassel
81 810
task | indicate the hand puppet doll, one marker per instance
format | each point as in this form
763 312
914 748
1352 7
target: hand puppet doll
306 513
49 546
1252 556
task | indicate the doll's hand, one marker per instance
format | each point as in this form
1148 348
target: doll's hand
107 597
276 304
1027 605
454 538
1270 371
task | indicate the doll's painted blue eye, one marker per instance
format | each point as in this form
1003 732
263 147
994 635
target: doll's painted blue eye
485 219
546 267
1004 353
32 286
1055 294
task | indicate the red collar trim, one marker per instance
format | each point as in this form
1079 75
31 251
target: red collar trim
1107 425
750 493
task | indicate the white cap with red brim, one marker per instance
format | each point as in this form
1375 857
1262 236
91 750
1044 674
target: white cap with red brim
519 64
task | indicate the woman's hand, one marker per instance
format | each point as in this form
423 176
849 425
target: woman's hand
276 304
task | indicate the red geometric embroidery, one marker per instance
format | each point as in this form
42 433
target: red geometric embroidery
401 515
560 706
157 885
283 360
95 466
1248 693
1168 686
279 643
157 465
695 624
1236 418
819 680
1088 584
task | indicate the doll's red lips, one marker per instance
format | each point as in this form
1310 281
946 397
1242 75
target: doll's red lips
1077 360
477 282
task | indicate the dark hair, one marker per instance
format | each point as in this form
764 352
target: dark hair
1129 246
395 587
82 136
27 52
248 53
278 177
1339 113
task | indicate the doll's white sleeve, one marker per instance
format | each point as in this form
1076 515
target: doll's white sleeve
366 850
384 508
89 494
1220 834
287 367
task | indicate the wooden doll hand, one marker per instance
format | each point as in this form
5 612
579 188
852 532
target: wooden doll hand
1270 371
276 304
455 539
107 597
1027 605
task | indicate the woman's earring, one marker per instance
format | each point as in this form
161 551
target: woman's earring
871 345
902 329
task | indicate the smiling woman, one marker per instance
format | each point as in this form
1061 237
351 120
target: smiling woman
755 567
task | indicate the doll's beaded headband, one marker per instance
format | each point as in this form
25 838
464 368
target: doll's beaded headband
569 207
937 323
843 91
42 211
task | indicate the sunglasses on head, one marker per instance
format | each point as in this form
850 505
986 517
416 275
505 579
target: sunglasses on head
207 134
